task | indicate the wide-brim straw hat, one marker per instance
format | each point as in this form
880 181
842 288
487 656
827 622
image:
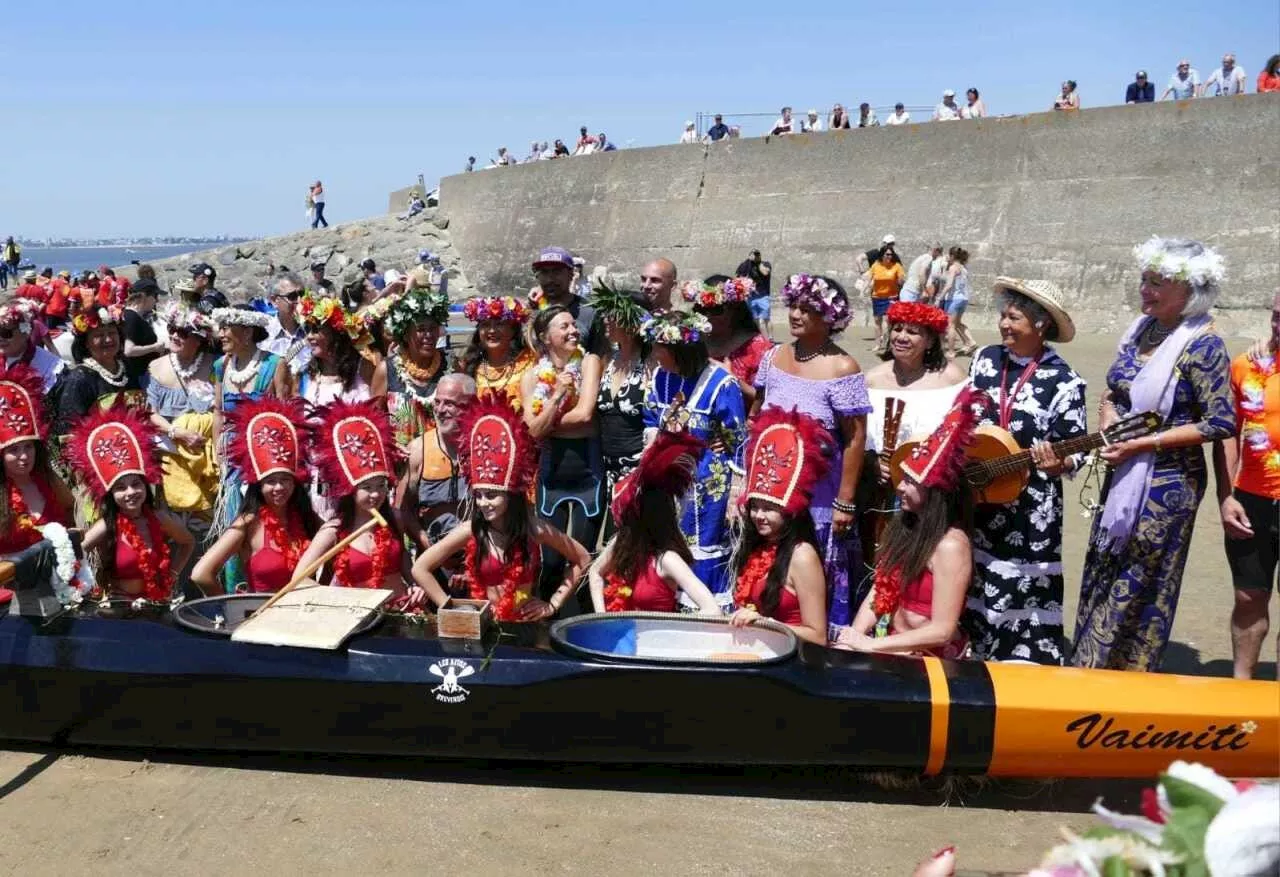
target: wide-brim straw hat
1045 294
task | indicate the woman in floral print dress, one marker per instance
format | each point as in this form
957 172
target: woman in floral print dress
1014 609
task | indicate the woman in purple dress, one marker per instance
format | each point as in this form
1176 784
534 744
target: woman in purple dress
814 375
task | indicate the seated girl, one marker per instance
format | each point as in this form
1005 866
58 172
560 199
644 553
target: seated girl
502 540
925 560
646 565
274 527
778 567
31 494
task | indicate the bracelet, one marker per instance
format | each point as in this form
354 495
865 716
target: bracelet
1157 443
842 506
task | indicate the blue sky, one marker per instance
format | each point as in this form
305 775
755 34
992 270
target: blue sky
144 117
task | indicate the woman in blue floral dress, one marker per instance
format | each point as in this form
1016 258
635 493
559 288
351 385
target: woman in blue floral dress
1014 609
1172 362
688 392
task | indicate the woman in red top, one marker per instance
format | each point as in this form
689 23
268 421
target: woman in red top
647 563
778 566
140 549
31 494
355 459
925 561
502 539
276 520
735 340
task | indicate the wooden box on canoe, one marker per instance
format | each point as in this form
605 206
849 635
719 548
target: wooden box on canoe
464 619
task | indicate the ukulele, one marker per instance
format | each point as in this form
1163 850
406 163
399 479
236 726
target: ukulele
894 409
998 469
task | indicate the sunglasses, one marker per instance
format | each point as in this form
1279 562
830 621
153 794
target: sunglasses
180 334
291 296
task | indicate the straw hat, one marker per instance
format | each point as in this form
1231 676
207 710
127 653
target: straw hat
1045 294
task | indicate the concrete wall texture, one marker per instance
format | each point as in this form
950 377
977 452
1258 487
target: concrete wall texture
1060 196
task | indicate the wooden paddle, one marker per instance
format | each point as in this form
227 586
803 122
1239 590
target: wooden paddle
375 521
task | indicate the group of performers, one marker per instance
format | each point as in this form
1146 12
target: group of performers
612 454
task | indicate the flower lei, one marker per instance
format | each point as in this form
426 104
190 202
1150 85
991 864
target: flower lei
513 590
289 540
23 532
815 293
313 311
674 327
86 321
888 596
1253 429
1207 268
153 560
735 289
71 579
546 385
381 554
754 572
617 594
414 307
504 308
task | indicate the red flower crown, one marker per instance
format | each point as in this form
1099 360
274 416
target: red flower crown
667 465
22 414
787 454
270 435
919 314
107 444
353 444
498 452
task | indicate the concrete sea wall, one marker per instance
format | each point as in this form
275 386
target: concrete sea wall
1062 196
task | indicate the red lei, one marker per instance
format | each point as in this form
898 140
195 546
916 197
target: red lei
290 541
888 592
22 532
618 595
153 559
381 553
754 573
514 588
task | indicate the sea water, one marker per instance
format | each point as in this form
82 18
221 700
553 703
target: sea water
76 259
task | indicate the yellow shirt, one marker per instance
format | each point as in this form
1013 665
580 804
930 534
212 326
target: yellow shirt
505 381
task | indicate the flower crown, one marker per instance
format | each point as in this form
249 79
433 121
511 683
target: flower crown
178 316
413 307
1207 268
674 327
919 314
497 307
86 321
315 312
618 306
240 317
713 295
812 292
17 315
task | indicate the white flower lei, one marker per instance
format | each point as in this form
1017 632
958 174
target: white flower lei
1209 267
71 579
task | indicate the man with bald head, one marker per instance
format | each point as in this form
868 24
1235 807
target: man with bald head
658 284
433 487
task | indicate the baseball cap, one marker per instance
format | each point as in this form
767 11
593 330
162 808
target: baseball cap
425 256
146 286
948 93
202 268
888 239
554 256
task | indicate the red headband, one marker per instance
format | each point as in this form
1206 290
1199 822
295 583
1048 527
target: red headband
919 314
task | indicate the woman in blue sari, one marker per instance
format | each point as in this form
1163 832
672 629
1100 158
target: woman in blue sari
691 393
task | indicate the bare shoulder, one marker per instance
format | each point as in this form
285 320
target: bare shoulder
954 374
880 375
845 364
954 547
805 556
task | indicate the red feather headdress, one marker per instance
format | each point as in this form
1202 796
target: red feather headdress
787 454
498 452
939 460
270 435
22 415
353 444
667 466
107 444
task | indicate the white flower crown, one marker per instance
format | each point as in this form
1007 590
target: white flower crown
1206 268
240 317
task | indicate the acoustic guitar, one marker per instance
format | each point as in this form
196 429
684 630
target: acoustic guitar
998 469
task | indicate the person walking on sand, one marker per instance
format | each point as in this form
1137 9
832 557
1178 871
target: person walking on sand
316 196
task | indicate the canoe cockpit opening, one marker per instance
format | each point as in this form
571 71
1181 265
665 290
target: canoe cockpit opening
657 638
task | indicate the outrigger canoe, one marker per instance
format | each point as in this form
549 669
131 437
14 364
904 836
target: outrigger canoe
629 687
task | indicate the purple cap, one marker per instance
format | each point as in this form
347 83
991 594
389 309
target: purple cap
554 256
424 256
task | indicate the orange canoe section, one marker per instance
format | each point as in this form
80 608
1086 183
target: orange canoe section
1103 723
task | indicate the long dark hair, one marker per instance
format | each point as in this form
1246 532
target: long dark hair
911 537
691 358
39 467
655 529
80 343
934 357
796 529
346 358
474 355
299 502
111 514
515 525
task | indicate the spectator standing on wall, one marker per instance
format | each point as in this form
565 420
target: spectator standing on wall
838 119
471 164
811 124
1069 99
899 116
975 108
867 116
1184 84
785 124
1227 79
717 132
317 205
759 271
548 151
586 143
947 110
603 144
1269 78
690 134
1140 91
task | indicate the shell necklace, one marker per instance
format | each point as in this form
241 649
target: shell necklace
118 378
242 376
186 374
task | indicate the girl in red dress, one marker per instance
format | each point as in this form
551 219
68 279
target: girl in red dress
355 459
502 539
139 548
646 565
925 561
779 569
31 494
274 527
